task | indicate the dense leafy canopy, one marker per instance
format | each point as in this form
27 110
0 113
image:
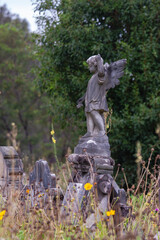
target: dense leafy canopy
74 30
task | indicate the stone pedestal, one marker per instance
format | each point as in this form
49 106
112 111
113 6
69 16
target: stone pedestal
92 155
94 146
91 163
94 164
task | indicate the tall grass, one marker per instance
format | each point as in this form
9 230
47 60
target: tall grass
23 222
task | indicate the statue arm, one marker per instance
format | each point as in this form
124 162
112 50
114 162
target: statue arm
101 69
80 101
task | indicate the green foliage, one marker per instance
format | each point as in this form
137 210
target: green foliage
115 29
20 101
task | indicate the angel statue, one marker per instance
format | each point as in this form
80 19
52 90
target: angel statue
105 76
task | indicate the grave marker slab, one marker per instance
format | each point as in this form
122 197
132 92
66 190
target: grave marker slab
11 168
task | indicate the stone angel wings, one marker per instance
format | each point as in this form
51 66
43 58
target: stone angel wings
114 72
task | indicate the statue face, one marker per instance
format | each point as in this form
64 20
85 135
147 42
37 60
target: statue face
92 67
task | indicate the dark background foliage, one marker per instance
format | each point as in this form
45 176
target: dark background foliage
21 103
115 29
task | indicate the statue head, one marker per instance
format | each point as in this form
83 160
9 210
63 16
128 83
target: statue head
92 63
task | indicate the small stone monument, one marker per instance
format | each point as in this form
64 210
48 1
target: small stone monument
42 185
91 160
41 175
11 169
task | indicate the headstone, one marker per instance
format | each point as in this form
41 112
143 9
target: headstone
41 174
11 170
42 186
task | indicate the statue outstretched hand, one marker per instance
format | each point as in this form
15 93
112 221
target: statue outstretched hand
80 102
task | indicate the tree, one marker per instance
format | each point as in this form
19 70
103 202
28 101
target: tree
115 29
7 17
20 101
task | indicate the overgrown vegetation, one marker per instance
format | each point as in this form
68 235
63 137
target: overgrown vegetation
19 220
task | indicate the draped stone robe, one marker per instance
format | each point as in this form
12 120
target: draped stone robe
95 97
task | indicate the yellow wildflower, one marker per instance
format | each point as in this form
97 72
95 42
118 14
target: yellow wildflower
108 213
27 191
2 214
88 186
53 140
52 132
112 212
72 200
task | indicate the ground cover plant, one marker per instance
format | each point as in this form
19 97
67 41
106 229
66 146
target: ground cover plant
18 220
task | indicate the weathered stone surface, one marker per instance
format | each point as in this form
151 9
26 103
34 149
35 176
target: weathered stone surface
73 201
41 174
103 204
100 168
11 168
12 161
105 187
93 146
100 164
118 192
8 152
92 219
118 196
91 159
42 187
105 76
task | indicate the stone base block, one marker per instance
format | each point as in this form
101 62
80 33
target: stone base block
98 164
93 146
